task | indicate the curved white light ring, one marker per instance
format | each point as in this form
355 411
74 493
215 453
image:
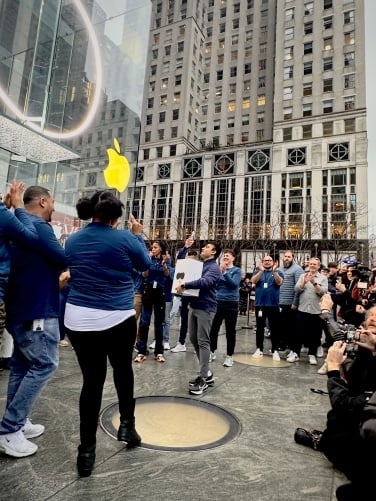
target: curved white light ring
96 98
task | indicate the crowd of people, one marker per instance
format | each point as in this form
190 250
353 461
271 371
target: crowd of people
104 288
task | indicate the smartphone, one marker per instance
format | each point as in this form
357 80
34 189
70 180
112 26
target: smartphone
339 280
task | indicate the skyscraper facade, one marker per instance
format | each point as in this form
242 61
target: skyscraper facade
253 127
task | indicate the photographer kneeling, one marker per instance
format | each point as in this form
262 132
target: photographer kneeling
350 385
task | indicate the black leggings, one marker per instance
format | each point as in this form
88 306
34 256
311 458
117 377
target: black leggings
92 349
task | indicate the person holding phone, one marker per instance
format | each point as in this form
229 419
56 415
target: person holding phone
153 299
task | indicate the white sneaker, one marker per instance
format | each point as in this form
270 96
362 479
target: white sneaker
292 357
16 445
152 346
31 430
276 357
178 348
320 352
312 359
258 354
323 369
212 357
166 346
229 362
304 350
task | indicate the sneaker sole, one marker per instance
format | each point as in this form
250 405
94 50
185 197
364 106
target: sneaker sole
198 392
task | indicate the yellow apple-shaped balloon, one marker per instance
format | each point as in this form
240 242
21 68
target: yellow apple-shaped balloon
117 172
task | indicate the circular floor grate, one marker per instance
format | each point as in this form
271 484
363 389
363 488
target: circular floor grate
265 361
176 423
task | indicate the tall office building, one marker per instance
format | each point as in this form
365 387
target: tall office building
254 126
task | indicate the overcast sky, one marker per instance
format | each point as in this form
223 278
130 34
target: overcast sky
370 10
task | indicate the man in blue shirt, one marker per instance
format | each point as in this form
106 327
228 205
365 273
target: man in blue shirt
32 308
268 279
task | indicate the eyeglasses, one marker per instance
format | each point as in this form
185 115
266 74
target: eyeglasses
266 260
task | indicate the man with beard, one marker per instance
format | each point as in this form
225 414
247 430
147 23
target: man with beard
288 300
268 280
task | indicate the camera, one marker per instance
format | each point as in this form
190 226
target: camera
352 334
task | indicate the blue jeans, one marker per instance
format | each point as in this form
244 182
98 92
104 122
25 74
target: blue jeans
35 359
167 322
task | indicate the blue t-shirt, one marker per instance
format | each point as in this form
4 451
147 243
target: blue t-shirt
267 291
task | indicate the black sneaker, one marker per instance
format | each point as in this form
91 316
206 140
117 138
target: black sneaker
199 387
194 381
210 380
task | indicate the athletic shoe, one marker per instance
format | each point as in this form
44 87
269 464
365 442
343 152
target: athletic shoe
31 430
166 346
212 357
210 379
152 346
276 357
16 445
140 358
323 369
179 348
258 354
293 357
63 343
199 387
312 359
229 362
160 358
320 352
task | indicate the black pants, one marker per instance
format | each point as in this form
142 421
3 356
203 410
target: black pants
287 326
227 311
309 330
92 349
152 298
272 314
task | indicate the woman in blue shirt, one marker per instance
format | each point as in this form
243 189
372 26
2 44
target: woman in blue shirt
100 316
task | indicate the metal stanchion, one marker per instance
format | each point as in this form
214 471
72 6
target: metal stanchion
247 326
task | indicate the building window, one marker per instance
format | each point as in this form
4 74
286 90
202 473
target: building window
308 48
307 89
161 134
349 103
349 81
350 125
164 171
150 102
146 153
220 75
247 68
348 17
328 22
328 43
262 82
287 113
175 114
296 156
140 173
327 106
327 85
307 109
338 152
180 46
174 132
349 38
261 100
288 72
224 164
289 34
287 93
159 151
328 4
308 8
147 136
327 64
308 28
177 79
149 119
258 160
307 68
162 116
289 14
288 53
260 117
192 168
233 71
307 131
327 128
287 134
349 59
